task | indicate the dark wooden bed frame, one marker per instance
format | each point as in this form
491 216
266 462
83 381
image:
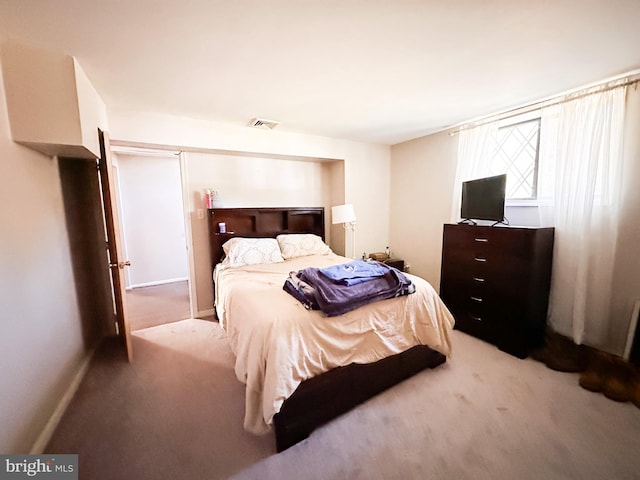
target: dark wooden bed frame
322 398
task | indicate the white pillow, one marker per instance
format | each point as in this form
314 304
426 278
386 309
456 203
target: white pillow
294 245
241 251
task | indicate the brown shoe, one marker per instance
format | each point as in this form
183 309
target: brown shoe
618 383
592 380
594 377
560 353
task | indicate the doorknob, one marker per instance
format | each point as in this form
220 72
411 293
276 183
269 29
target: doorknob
120 265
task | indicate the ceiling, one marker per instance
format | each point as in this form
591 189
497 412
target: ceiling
374 71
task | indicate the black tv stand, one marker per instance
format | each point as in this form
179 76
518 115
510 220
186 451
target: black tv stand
467 221
504 222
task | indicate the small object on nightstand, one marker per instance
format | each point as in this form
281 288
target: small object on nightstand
395 263
379 256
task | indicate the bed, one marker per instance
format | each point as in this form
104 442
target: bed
301 368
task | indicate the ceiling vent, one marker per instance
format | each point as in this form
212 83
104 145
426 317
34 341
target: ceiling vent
263 123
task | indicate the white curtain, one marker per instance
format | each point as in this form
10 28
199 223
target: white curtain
580 179
475 151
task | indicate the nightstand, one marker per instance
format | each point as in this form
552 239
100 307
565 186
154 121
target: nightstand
396 263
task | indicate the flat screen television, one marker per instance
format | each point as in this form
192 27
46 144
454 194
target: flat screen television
483 198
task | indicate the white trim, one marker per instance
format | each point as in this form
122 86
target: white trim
521 118
123 226
521 202
205 313
157 282
633 324
51 425
144 151
188 230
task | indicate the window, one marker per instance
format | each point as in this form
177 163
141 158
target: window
516 154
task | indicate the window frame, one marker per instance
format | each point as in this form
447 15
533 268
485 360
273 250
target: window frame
513 121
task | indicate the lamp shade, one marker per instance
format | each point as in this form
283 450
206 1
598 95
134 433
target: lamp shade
343 214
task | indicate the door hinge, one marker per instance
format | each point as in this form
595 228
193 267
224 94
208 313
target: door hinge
117 328
120 265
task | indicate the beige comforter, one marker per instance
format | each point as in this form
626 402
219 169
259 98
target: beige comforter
278 343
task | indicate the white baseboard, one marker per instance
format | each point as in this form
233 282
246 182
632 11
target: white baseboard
44 437
158 282
205 313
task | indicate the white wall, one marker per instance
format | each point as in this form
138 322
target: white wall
246 182
41 344
366 166
152 218
422 176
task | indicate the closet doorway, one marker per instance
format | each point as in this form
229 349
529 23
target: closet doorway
154 236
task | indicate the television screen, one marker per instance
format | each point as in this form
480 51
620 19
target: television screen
483 199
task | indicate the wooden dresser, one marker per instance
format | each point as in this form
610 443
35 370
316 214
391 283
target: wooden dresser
495 281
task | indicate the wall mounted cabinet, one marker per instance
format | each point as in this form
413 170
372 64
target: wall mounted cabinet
53 107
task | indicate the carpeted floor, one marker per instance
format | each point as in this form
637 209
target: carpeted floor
176 412
157 304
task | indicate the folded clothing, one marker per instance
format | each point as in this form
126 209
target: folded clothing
318 292
302 291
354 272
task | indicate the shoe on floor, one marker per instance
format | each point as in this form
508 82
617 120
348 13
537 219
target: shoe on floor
593 378
560 353
619 381
635 390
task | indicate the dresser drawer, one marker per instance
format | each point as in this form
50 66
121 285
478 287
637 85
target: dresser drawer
474 299
465 238
492 269
476 322
469 258
488 241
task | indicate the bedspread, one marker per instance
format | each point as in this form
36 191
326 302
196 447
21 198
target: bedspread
278 343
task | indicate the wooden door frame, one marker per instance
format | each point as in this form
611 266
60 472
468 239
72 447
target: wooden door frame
133 149
193 293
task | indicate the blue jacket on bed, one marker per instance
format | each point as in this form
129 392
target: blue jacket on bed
355 272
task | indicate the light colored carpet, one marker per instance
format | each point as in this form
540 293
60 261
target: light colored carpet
157 304
176 412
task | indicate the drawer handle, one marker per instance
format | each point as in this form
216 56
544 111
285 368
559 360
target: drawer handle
477 319
483 240
478 279
477 299
480 259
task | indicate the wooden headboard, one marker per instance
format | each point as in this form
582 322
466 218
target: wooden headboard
261 222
